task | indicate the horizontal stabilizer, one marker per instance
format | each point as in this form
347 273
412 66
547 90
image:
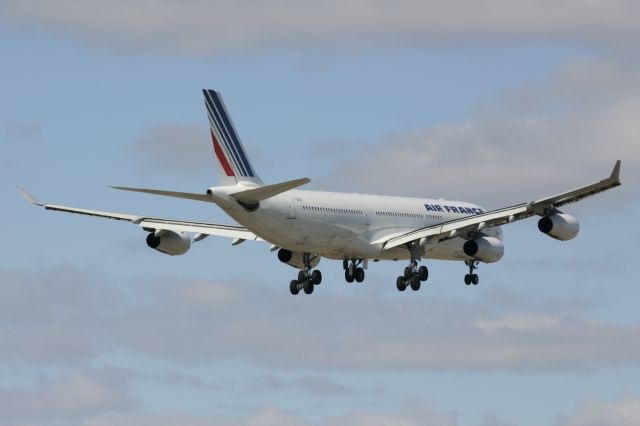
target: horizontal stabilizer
255 195
186 195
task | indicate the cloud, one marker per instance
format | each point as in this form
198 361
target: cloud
48 315
66 397
338 334
175 148
204 27
270 415
593 412
17 130
61 317
566 131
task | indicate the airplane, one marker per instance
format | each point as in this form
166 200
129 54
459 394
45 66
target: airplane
305 226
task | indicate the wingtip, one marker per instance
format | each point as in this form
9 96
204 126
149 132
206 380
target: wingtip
30 198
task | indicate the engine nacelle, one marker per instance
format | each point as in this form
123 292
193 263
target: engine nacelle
169 242
295 259
560 226
485 249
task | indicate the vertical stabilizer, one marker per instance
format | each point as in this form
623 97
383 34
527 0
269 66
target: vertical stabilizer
233 162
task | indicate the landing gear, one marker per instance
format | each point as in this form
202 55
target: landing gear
352 270
412 276
307 279
471 278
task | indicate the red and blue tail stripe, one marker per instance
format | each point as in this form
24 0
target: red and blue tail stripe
226 143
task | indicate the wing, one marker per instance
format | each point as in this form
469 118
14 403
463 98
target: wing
469 225
154 223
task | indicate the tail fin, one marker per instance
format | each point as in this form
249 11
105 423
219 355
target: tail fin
233 163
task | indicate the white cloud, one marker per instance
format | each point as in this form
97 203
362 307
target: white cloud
66 397
593 412
205 27
18 130
564 132
338 334
270 415
175 148
57 317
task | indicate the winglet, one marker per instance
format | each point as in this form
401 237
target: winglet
615 174
30 198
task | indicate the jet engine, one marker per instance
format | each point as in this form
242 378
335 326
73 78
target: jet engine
560 226
295 259
169 242
485 249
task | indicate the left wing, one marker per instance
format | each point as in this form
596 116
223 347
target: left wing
468 225
154 223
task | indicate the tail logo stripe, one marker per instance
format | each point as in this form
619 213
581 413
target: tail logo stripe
232 132
224 134
215 126
225 145
223 160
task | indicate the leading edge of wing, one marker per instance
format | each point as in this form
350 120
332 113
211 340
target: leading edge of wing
458 227
222 230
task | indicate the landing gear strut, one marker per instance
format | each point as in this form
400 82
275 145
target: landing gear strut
413 275
471 278
307 279
353 271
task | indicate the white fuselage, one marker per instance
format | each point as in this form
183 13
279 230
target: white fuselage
348 226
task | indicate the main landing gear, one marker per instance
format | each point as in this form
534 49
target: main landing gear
471 278
413 275
307 279
353 271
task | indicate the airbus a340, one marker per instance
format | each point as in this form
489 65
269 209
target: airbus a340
305 226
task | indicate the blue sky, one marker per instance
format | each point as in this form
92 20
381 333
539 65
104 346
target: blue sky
494 108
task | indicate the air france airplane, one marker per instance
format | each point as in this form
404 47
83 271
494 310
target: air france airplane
305 226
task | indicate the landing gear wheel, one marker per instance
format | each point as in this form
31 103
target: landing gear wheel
415 283
474 279
301 276
307 286
294 287
407 272
401 284
359 275
467 279
316 277
348 277
423 273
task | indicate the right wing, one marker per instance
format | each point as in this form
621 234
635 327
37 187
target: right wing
472 224
154 223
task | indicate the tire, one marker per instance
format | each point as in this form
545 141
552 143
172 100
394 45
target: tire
348 277
316 277
293 287
359 275
301 276
423 273
475 279
401 284
467 279
307 286
407 272
415 283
